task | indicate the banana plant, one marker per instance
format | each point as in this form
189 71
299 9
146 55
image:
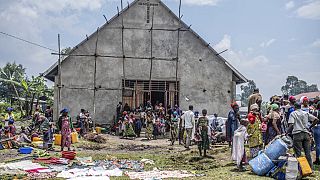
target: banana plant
10 78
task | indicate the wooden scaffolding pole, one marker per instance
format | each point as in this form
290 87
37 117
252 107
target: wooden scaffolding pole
95 81
59 85
177 59
151 53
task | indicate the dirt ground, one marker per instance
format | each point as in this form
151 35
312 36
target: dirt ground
217 166
165 157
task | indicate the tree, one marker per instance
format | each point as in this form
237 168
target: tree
295 86
246 91
14 84
66 50
10 77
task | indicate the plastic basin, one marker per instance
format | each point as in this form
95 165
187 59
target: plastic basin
25 150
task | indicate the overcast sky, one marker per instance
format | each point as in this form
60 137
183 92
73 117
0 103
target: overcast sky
267 40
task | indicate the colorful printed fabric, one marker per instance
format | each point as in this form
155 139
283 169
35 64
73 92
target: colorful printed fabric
255 141
149 128
66 132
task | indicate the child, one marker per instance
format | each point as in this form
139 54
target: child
138 126
163 126
9 116
238 150
149 125
120 127
9 143
12 128
174 127
201 136
48 138
264 127
156 128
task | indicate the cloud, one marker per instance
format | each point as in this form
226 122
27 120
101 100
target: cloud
58 6
316 43
289 5
310 10
270 73
224 44
39 21
293 39
268 43
201 2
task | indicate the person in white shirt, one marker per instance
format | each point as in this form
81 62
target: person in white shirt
298 127
188 119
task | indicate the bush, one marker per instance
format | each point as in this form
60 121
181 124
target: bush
3 111
3 108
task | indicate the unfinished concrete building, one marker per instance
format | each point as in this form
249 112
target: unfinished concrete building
145 52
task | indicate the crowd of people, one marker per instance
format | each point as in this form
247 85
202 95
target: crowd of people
185 127
41 126
286 115
298 119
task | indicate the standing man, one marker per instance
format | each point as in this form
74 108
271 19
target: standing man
232 123
188 119
174 127
202 133
298 126
254 98
119 111
49 113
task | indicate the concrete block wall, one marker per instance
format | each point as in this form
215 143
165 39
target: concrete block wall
210 73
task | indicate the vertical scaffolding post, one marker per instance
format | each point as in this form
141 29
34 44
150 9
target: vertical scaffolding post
122 48
95 80
151 53
177 59
59 85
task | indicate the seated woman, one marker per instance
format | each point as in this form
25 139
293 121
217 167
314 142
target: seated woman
8 138
23 138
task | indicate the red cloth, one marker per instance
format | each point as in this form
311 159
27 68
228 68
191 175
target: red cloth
251 118
50 160
35 170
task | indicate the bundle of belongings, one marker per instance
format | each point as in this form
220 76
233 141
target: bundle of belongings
276 163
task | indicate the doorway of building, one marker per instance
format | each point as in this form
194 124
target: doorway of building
157 97
141 91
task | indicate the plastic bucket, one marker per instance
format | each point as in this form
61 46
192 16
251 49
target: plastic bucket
74 137
276 149
25 150
57 139
261 164
35 139
37 144
68 154
98 130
